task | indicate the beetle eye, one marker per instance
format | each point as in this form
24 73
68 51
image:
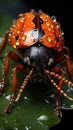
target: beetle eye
26 61
51 62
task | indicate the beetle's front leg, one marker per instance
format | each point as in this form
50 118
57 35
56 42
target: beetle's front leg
14 87
6 68
14 57
4 42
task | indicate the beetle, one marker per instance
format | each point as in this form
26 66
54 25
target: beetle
39 40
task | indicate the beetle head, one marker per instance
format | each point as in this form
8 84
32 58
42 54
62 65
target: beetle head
39 57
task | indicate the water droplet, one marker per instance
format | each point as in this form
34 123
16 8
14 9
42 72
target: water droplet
8 97
54 18
27 127
71 106
63 106
62 33
57 24
49 38
52 95
15 128
47 24
70 89
26 99
46 101
66 106
42 118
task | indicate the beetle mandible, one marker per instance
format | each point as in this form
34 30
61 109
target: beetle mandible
40 42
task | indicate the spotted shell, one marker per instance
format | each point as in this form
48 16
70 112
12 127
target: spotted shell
32 27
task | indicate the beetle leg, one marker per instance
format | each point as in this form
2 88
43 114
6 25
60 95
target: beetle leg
4 42
60 84
58 111
58 69
69 68
14 87
14 57
59 89
68 63
6 68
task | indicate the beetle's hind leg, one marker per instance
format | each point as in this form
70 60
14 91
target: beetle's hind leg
14 87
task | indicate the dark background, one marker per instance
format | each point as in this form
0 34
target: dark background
64 13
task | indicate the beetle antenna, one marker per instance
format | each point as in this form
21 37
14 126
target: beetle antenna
57 87
24 84
60 77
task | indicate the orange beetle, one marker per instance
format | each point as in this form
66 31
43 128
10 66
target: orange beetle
39 40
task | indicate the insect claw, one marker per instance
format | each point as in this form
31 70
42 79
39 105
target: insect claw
9 108
7 111
59 113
